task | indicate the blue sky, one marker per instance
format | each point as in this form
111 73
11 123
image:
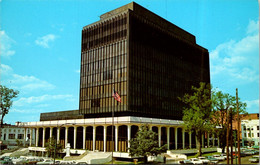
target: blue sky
41 42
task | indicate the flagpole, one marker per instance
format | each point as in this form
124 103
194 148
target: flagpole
112 130
117 97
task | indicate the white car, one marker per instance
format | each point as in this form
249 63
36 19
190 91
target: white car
220 158
196 161
46 161
204 160
224 156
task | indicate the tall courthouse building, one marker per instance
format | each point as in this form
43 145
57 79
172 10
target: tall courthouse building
149 62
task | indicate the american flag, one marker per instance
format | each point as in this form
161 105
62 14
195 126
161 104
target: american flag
116 96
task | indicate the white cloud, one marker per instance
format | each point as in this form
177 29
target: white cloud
5 69
253 27
23 83
41 99
30 83
238 59
252 103
6 43
45 40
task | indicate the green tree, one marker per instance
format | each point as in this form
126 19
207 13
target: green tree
222 104
197 112
50 147
6 96
145 143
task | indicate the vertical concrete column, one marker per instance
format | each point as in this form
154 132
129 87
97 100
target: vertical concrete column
183 138
37 137
94 138
116 138
51 130
84 137
160 135
202 139
43 136
31 136
58 134
16 134
128 136
168 137
208 139
190 139
66 135
75 137
105 138
176 137
151 127
25 136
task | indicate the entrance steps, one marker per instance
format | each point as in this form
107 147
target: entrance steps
91 157
20 152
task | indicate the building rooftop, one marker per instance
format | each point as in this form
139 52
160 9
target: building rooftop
159 21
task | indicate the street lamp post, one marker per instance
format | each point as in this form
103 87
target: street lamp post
58 127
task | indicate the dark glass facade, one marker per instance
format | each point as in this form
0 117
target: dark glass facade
146 59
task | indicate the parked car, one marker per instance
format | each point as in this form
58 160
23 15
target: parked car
204 160
185 162
196 161
224 156
212 159
46 161
242 154
254 159
220 158
249 152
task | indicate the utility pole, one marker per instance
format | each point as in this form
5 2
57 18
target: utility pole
231 134
227 150
238 129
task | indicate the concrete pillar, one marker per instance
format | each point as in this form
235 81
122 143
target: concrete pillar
25 136
190 139
16 134
94 138
37 137
128 136
66 135
43 137
58 134
31 136
105 138
176 137
202 139
75 137
84 137
168 137
116 138
183 138
159 135
51 130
